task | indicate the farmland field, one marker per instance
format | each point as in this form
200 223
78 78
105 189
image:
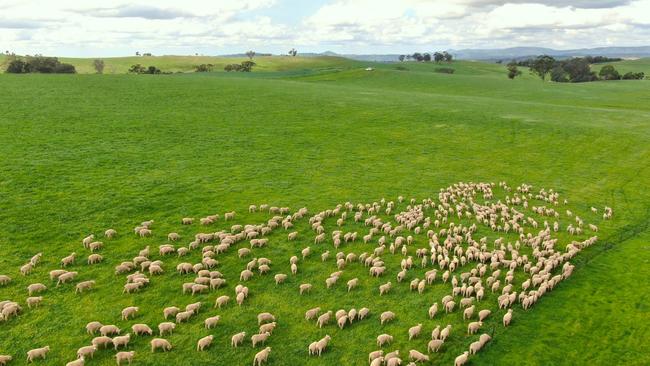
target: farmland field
83 153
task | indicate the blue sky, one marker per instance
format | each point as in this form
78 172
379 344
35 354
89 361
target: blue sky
118 27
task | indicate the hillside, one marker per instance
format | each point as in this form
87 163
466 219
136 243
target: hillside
83 153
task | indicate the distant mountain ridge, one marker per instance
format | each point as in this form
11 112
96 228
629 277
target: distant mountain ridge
504 53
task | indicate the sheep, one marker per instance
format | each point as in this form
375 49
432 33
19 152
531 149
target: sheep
279 278
383 289
36 287
444 333
292 236
124 356
193 307
109 330
245 275
393 354
166 328
305 287
383 339
237 339
484 338
187 220
183 316
102 341
377 361
322 344
94 258
433 310
240 298
414 331
261 356
469 312
37 353
204 342
311 313
160 343
129 312
294 269
140 329
66 261
4 280
65 277
507 318
34 301
418 356
462 359
393 361
434 345
259 338
86 351
386 316
473 327
93 327
87 240
265 318
173 236
483 314
363 313
342 321
78 362
221 301
353 283
5 359
474 347
211 321
375 355
121 341
324 319
96 245
84 285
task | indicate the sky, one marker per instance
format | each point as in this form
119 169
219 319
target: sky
118 28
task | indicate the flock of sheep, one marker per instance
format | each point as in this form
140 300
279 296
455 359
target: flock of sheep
438 235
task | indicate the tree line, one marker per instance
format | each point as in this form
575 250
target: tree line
572 70
37 64
436 57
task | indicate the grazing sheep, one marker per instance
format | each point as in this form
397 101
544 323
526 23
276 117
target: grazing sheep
166 328
34 301
383 289
433 310
140 329
102 341
5 359
418 356
170 311
473 327
265 318
160 343
280 278
94 258
259 338
86 351
109 330
64 278
193 307
129 312
187 220
124 356
221 301
383 339
469 312
462 359
261 356
78 362
121 341
377 361
311 313
37 353
204 342
305 287
237 339
4 280
449 306
183 316
415 331
85 285
212 322
173 236
324 319
321 345
386 316
342 321
483 314
66 261
363 313
434 345
36 287
444 333
87 240
93 327
507 318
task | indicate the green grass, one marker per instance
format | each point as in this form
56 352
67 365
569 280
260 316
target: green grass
83 153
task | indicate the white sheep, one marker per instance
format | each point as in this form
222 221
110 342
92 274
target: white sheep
86 351
204 342
260 338
36 287
93 327
166 328
124 356
261 356
507 318
211 322
434 345
102 341
418 356
384 339
160 343
129 312
37 353
386 316
121 341
237 339
462 359
140 329
109 330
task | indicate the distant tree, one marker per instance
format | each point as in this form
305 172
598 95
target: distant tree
447 56
438 57
250 54
401 58
148 54
426 57
633 76
98 64
153 70
247 66
542 65
558 74
513 71
417 56
232 67
17 67
579 70
137 69
204 68
137 53
293 52
608 72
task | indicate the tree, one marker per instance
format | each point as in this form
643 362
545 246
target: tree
579 70
247 66
633 76
447 56
426 57
17 67
401 58
417 56
542 65
558 74
608 72
204 68
250 54
438 56
99 66
137 53
513 71
293 52
137 69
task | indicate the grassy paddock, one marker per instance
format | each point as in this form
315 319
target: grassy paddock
83 153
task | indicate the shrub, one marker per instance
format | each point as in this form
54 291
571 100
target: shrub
246 66
444 70
204 68
40 64
633 76
99 66
17 67
608 72
63 68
